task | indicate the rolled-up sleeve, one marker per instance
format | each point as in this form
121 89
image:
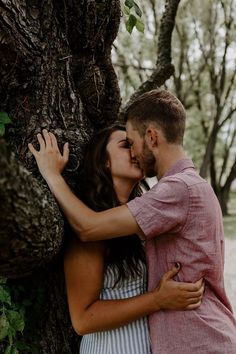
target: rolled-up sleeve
162 209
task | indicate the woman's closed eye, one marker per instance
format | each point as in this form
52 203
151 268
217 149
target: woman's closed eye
125 144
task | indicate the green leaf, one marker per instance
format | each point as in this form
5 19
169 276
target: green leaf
129 3
137 9
8 349
5 296
4 118
15 351
2 129
140 26
4 326
126 10
16 320
23 346
11 334
130 23
3 280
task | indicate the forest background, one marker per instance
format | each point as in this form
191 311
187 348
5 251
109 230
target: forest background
56 61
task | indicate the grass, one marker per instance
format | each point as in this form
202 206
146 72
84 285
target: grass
230 221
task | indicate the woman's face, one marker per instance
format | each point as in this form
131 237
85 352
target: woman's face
121 164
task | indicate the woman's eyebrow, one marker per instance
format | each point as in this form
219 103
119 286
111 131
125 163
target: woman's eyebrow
123 140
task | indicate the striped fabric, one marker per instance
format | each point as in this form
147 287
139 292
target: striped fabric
129 339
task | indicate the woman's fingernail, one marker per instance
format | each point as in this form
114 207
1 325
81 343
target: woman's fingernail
177 265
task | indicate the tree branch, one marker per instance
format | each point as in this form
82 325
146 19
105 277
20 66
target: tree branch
164 67
229 115
227 148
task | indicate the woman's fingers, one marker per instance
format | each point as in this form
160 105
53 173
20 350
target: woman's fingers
192 295
194 300
41 142
48 142
66 151
47 139
32 149
194 306
199 285
53 141
171 273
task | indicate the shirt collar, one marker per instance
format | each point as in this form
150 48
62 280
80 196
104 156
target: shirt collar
179 166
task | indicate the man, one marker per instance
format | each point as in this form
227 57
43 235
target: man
179 218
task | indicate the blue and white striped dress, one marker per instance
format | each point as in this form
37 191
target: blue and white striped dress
130 339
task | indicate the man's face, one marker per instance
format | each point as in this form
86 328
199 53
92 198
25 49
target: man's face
140 151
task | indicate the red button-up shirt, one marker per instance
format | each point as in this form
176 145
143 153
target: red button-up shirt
182 221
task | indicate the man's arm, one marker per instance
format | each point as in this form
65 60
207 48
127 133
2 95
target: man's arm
87 224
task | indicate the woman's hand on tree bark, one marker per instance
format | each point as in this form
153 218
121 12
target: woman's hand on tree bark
174 295
49 159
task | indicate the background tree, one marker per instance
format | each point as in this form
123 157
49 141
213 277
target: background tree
56 73
203 50
205 82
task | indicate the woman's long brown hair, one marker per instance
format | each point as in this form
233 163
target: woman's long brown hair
99 194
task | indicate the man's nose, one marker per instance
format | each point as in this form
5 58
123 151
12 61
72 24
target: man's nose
132 153
133 156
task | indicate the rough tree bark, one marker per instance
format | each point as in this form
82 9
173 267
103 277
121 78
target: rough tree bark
56 73
27 210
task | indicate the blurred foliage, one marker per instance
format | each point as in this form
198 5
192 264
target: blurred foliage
20 311
204 56
4 119
133 14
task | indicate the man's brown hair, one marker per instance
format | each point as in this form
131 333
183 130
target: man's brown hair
163 109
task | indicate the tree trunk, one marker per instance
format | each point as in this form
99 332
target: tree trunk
223 196
204 169
31 230
56 73
225 190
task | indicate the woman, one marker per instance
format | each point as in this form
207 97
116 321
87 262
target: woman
106 281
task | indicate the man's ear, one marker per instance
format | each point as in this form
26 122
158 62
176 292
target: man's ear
152 136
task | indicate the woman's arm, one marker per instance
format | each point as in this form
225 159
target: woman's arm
84 269
86 223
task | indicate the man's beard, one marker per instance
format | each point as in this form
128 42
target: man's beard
149 162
